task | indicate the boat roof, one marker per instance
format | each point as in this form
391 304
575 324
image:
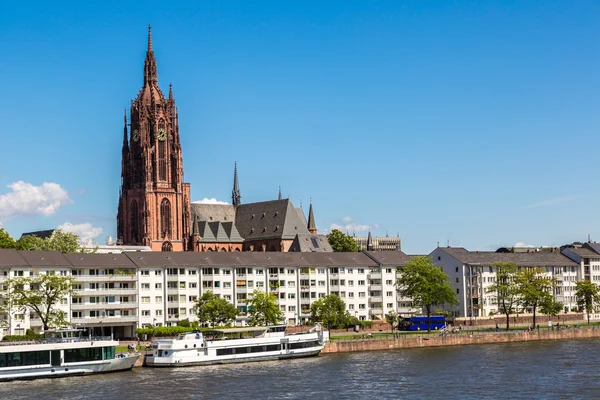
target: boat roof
239 330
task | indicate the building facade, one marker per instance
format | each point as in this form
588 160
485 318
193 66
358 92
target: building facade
473 272
375 243
117 293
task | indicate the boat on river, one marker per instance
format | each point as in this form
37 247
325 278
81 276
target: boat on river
61 353
236 345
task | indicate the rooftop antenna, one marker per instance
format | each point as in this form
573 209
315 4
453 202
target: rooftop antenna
448 243
438 243
589 238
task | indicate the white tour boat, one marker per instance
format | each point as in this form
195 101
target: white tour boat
220 346
61 353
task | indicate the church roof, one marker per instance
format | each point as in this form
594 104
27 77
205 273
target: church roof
217 232
306 243
213 212
275 219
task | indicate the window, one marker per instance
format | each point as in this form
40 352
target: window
291 295
143 272
350 306
259 272
76 314
145 286
226 272
158 313
361 283
292 308
192 272
361 271
158 286
194 285
321 283
145 313
361 306
350 283
388 270
158 299
181 285
361 294
456 270
390 305
158 272
350 295
291 284
389 282
389 294
145 299
192 298
165 216
227 285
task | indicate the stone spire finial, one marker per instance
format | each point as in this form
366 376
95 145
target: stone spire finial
312 227
236 197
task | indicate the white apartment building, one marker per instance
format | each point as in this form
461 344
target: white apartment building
472 273
117 293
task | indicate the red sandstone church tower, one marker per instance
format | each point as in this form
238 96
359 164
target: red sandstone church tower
154 203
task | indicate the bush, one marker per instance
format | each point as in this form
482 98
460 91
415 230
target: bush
16 338
161 331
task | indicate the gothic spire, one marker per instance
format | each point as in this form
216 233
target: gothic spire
150 73
279 197
170 91
236 197
312 228
369 242
125 143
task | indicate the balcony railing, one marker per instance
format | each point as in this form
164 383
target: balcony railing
111 291
377 286
104 278
104 306
104 320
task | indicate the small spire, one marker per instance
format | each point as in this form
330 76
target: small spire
149 38
279 197
170 91
312 228
236 197
369 241
125 142
195 226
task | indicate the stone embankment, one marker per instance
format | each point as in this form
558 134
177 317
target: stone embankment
412 341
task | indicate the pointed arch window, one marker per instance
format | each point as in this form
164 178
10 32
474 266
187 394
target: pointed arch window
167 246
134 221
162 152
165 218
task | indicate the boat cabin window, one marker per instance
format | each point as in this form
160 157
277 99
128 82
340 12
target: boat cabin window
280 328
23 358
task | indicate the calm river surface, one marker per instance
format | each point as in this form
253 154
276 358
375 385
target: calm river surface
541 370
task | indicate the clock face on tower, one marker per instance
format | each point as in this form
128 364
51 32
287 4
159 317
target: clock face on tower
162 135
136 135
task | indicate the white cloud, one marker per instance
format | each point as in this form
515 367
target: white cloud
27 199
523 244
210 201
347 225
86 231
551 202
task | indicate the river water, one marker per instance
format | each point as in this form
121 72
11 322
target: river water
534 370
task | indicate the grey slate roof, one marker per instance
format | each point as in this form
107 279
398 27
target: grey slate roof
275 219
217 232
389 258
585 253
41 234
45 258
305 243
487 258
593 246
11 258
301 215
212 212
99 260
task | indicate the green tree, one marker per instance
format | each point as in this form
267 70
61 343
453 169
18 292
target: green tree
551 307
212 310
263 309
65 242
339 241
330 310
505 288
534 289
6 241
426 284
393 319
39 295
588 296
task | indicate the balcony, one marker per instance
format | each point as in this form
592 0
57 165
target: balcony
35 322
374 275
104 320
376 299
376 287
105 278
377 311
109 291
104 306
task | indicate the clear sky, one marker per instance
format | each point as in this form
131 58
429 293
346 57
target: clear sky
469 122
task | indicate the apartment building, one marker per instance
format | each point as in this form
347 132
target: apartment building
117 293
473 272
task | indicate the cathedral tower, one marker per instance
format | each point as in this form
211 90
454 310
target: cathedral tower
154 203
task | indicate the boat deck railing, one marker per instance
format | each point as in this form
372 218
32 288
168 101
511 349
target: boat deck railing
56 340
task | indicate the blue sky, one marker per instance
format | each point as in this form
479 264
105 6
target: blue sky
469 122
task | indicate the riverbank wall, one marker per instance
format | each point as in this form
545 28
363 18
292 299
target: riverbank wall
462 339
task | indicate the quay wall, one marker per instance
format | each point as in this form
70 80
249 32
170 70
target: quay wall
404 342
